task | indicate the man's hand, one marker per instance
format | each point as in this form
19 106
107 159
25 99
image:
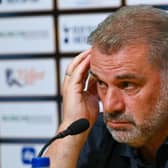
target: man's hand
77 103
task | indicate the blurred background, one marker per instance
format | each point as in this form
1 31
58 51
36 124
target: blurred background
38 39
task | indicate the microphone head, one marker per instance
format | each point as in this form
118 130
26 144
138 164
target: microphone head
78 126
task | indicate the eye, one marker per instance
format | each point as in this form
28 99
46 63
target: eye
126 85
101 84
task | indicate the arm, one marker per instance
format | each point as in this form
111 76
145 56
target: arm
76 104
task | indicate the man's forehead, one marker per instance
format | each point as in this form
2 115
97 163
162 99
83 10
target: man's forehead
120 76
138 47
130 57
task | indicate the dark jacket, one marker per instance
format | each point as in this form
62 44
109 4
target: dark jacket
102 151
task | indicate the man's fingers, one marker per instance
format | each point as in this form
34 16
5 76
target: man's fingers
74 67
71 67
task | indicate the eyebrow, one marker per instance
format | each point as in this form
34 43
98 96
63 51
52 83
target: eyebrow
121 77
93 74
128 76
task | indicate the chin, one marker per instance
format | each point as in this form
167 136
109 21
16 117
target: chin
126 137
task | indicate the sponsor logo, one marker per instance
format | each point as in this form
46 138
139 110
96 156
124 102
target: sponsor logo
29 119
10 79
36 34
76 34
27 154
23 77
20 1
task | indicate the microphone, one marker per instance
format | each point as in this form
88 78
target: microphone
76 127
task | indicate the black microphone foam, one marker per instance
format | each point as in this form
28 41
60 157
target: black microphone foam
76 127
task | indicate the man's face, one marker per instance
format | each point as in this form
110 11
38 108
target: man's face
135 106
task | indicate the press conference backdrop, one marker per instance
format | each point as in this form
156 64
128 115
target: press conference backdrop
38 39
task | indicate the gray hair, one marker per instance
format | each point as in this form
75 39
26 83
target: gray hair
135 24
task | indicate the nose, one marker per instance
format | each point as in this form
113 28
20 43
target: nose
113 101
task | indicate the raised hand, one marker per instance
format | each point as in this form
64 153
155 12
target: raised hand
78 103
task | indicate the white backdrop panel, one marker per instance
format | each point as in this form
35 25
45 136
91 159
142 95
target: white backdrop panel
27 35
79 4
18 155
25 5
28 77
74 29
28 119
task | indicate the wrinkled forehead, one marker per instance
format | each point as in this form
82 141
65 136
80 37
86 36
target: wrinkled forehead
137 53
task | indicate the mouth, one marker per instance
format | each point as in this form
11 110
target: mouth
118 124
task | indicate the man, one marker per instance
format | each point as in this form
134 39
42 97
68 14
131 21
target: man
128 64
